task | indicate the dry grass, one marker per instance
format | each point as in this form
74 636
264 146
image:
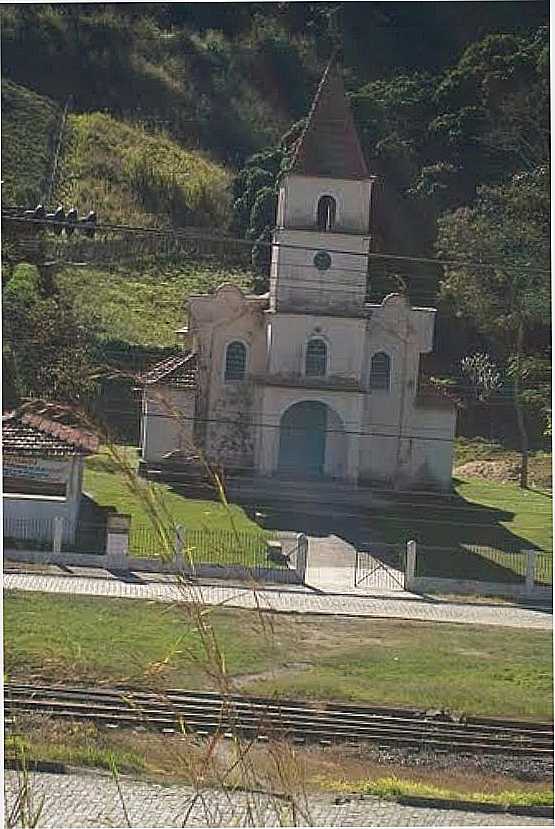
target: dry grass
183 759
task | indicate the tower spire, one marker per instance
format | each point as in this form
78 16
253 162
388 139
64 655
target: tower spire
329 145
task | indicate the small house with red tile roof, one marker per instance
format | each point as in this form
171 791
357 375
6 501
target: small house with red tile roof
309 381
42 474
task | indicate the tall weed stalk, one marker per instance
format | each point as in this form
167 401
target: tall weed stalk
229 785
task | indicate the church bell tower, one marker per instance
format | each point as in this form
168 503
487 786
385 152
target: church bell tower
322 235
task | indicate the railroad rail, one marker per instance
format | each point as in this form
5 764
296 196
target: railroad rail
204 712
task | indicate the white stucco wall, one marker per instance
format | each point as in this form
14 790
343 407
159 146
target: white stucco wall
289 336
167 421
386 438
403 445
227 406
299 196
297 285
32 516
342 449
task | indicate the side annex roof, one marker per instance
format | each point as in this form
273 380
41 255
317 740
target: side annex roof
179 372
34 434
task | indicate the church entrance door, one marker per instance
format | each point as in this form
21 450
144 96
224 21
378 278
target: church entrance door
302 443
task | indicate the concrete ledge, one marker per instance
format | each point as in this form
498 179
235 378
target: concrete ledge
47 766
157 565
426 584
473 806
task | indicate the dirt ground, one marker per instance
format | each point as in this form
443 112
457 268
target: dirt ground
277 765
506 470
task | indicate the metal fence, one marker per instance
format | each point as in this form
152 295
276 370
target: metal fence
544 569
475 562
37 534
28 533
224 547
381 567
200 546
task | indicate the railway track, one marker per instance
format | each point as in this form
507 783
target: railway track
203 713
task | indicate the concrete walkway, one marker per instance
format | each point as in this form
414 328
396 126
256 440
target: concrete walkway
330 564
89 800
282 599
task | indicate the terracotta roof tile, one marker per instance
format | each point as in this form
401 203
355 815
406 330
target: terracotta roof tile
180 372
37 435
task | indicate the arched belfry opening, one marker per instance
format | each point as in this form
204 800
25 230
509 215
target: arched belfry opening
326 214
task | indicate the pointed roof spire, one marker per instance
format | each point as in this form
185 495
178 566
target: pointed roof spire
329 145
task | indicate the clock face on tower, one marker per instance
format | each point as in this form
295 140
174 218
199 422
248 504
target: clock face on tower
322 260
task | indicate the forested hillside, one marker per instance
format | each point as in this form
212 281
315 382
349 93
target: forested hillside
184 114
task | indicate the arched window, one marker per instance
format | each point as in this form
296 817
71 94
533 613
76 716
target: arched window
326 213
235 361
316 358
380 371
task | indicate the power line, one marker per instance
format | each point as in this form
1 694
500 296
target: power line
254 425
184 235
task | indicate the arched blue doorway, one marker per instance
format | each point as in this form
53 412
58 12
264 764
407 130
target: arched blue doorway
302 439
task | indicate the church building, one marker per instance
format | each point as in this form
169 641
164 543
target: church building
308 381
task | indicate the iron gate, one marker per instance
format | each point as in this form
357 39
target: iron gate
381 568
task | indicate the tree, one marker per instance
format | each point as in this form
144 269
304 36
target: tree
255 192
48 352
483 377
504 286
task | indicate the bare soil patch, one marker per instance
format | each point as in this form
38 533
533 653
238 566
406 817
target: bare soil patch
172 758
507 470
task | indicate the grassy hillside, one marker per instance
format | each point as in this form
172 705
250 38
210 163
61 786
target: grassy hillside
30 124
131 176
143 304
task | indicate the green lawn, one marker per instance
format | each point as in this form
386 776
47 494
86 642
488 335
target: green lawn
106 485
481 512
214 533
479 530
482 670
500 518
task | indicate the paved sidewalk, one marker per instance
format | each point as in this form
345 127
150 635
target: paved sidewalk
93 800
284 599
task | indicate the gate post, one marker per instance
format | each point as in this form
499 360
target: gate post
302 555
117 541
58 534
530 570
410 564
179 544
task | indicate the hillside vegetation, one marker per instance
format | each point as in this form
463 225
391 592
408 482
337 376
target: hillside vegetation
207 89
30 123
183 114
142 304
132 177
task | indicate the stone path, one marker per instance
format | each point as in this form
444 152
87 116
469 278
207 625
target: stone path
90 800
283 599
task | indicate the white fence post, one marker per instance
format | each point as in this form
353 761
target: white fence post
410 564
58 534
530 570
302 556
117 541
178 548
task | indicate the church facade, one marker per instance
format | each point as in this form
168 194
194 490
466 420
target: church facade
310 380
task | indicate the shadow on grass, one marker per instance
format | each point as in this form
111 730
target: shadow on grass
455 538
